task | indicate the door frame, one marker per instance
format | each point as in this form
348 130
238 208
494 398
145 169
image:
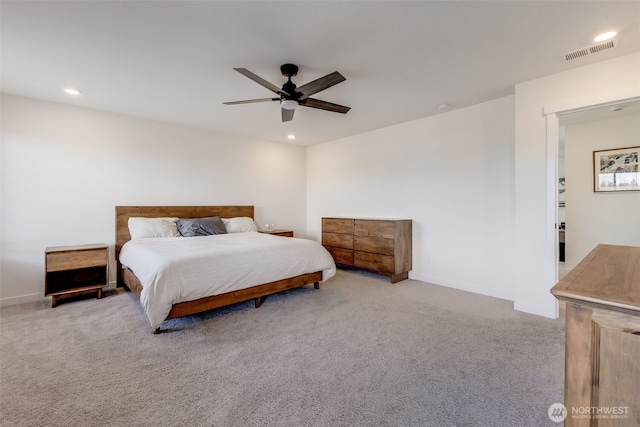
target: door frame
552 113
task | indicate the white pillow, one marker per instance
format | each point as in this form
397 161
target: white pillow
140 228
240 224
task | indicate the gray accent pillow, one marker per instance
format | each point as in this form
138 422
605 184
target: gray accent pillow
201 226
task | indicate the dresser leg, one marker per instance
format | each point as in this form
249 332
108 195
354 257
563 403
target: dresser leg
395 278
54 301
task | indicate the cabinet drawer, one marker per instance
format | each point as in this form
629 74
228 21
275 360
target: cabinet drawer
376 245
338 240
337 225
341 256
58 261
375 228
374 262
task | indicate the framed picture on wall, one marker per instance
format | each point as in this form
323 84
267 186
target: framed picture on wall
616 170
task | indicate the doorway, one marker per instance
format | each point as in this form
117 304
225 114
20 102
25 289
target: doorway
583 216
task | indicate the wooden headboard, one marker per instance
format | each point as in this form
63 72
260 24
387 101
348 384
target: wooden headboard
123 213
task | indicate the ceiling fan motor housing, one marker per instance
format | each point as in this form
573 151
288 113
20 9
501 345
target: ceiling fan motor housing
290 88
289 70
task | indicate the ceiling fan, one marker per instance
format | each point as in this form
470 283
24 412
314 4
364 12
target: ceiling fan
291 96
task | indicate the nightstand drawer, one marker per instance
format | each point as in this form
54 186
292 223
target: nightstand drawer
57 261
283 233
338 240
376 245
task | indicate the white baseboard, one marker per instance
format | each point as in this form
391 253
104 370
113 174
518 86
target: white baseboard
482 290
550 311
5 302
544 311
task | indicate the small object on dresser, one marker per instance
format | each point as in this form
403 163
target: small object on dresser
75 270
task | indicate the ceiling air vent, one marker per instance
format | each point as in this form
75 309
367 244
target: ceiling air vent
590 50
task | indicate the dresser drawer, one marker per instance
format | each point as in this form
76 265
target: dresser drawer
341 256
376 228
337 225
58 261
377 245
376 262
338 240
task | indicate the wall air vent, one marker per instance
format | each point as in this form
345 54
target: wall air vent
590 50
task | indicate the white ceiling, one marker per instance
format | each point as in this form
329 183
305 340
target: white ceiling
173 61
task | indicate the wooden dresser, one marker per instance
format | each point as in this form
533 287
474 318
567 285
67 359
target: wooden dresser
602 353
379 245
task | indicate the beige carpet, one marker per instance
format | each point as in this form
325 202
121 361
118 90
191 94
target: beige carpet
357 352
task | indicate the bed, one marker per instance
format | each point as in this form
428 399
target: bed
281 269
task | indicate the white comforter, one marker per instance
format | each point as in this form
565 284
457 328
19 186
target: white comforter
178 269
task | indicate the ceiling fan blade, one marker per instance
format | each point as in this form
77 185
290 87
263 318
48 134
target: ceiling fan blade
261 81
251 101
324 105
320 84
287 115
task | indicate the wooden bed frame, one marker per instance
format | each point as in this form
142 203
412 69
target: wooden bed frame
126 278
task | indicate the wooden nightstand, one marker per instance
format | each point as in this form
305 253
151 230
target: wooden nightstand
75 270
284 233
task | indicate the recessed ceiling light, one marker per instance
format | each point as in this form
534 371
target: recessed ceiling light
605 36
291 136
71 91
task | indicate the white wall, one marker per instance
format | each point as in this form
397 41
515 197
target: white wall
535 250
452 174
593 218
64 169
482 206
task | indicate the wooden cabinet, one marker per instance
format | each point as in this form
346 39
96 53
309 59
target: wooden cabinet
382 246
602 350
75 270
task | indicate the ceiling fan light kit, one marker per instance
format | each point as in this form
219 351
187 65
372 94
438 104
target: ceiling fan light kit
290 96
289 104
